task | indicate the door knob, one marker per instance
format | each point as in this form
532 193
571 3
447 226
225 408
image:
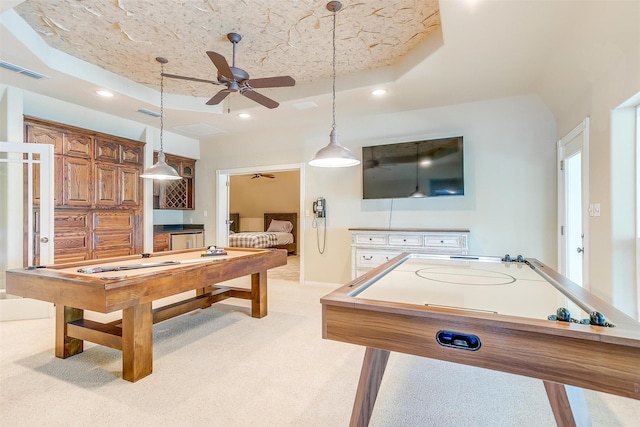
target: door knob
580 250
44 239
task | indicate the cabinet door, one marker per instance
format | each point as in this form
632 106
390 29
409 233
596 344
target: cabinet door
106 184
77 145
161 242
77 181
44 135
107 151
131 154
129 186
187 169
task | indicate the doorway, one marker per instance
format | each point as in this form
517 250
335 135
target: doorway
573 181
224 189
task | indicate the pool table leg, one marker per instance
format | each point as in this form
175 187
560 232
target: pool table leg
67 346
259 294
137 342
568 404
373 366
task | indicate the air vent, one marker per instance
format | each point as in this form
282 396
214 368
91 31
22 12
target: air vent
17 69
148 112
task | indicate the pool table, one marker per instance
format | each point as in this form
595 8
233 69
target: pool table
131 284
517 316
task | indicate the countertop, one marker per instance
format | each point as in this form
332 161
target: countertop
178 228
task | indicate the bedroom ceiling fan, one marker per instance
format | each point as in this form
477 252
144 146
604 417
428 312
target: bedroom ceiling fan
261 175
238 80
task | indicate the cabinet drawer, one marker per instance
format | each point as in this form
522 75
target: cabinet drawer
111 253
370 259
73 256
108 239
69 219
70 241
108 220
371 239
404 240
443 242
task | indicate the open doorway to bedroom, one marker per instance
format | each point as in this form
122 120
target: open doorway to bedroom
247 200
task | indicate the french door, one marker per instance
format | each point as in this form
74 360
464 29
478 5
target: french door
26 209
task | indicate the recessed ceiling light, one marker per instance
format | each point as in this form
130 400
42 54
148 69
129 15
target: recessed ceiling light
244 115
379 92
104 93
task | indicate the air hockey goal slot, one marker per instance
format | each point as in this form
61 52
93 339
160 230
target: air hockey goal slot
458 340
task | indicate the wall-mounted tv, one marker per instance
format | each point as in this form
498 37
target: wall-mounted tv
426 168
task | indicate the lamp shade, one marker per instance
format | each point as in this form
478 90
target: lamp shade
161 170
334 155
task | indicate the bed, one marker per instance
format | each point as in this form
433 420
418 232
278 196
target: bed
280 232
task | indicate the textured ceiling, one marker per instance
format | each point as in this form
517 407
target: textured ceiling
279 37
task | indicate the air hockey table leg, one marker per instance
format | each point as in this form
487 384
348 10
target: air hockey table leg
568 404
373 366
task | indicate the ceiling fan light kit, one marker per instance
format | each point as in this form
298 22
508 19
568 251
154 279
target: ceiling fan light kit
334 155
161 170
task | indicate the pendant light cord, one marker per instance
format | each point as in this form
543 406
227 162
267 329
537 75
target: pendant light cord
334 70
161 105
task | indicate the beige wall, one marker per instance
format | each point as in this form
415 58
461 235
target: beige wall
252 197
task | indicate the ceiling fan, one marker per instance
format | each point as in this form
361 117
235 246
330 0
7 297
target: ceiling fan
237 80
261 175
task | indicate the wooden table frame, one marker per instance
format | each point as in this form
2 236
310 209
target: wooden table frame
133 334
566 356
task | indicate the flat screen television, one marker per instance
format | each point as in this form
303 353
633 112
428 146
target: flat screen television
426 168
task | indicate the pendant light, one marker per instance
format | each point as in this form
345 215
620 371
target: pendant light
161 170
417 194
334 155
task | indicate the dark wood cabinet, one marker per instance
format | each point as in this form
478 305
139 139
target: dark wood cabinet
176 194
98 193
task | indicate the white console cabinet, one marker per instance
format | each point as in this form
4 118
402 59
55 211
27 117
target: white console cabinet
371 247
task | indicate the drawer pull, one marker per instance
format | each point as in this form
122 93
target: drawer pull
367 258
441 241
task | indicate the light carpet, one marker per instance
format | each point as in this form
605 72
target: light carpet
220 367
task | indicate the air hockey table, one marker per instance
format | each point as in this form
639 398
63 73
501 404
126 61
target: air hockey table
131 284
517 316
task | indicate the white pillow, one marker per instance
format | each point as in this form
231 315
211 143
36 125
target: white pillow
280 226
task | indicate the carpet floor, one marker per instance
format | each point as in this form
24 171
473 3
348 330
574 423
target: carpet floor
220 367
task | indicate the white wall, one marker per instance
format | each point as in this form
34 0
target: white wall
510 197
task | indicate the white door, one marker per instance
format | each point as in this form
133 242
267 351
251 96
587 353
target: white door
572 204
222 209
26 218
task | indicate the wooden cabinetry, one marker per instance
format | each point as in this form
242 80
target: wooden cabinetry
371 247
98 194
176 194
161 242
113 233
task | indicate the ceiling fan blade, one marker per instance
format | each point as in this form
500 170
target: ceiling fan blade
221 64
193 79
218 97
260 99
280 81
